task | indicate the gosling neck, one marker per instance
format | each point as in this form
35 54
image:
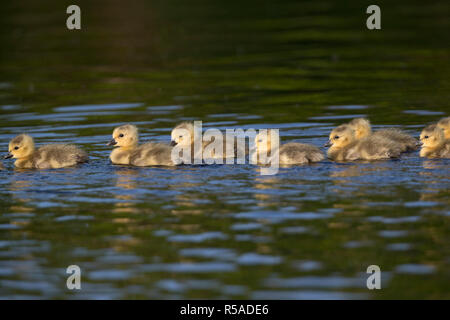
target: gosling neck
269 151
342 148
30 151
128 147
427 150
23 162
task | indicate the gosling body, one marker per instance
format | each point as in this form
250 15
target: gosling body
434 144
292 153
52 156
183 136
344 146
129 152
299 153
363 129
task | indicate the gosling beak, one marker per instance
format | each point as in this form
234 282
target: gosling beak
328 144
113 142
420 143
8 156
173 143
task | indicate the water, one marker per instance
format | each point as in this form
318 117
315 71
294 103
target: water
223 231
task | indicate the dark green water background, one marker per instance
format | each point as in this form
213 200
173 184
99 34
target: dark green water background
223 231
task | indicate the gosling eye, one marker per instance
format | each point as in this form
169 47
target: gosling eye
426 137
16 148
121 135
336 137
180 137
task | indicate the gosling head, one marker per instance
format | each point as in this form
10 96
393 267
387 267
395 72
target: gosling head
341 137
183 134
361 126
263 141
432 137
20 147
444 124
125 136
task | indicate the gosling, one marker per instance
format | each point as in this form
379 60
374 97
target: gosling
434 144
444 124
363 129
127 152
292 153
183 136
344 146
52 156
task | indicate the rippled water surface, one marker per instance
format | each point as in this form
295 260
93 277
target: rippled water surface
223 231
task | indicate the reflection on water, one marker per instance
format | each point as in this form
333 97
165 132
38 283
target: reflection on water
223 231
126 185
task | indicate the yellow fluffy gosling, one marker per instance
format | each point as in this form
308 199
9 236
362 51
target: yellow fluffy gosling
183 135
444 124
127 152
50 156
292 153
344 146
434 144
363 129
